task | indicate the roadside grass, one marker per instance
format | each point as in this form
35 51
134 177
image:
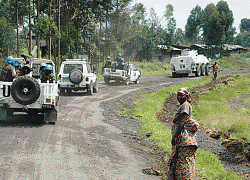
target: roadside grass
207 164
214 110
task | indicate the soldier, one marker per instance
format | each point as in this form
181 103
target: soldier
47 75
118 59
16 65
42 69
215 69
8 71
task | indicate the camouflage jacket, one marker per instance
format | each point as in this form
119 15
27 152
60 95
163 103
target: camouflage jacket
47 77
8 73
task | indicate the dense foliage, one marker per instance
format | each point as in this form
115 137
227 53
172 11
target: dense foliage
99 28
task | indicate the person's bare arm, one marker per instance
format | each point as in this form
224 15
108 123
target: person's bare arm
181 119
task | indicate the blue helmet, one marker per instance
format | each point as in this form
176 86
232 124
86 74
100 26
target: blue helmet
10 60
16 64
122 60
108 58
43 65
120 54
48 67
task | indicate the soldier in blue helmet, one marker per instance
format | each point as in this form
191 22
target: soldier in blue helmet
8 72
118 59
47 75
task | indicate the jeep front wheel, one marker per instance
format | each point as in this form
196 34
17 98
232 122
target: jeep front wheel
25 90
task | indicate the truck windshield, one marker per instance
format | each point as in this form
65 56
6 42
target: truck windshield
69 67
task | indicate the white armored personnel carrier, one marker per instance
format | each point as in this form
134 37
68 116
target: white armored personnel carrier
190 62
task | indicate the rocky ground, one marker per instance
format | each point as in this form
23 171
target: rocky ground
131 127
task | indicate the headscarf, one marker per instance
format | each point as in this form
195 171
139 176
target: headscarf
185 90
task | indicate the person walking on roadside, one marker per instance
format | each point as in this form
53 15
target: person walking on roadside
181 164
215 67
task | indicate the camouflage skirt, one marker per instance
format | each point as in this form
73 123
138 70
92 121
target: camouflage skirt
181 165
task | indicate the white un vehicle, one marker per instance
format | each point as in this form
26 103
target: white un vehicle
190 62
121 72
27 94
77 74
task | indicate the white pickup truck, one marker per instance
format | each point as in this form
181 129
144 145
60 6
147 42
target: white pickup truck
190 62
27 94
124 72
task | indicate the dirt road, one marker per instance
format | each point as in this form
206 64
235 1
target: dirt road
87 141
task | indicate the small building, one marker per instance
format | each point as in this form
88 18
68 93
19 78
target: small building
163 52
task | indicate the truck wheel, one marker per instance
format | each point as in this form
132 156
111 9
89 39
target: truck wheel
25 90
106 80
207 70
202 70
90 89
198 72
174 74
137 81
127 81
76 76
95 88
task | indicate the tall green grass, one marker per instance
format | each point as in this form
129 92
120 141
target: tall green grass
208 164
214 108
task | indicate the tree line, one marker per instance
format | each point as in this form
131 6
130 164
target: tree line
101 28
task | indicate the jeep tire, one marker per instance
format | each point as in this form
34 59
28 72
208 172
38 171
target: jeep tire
76 76
90 89
95 88
25 90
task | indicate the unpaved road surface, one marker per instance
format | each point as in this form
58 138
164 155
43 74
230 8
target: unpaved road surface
87 141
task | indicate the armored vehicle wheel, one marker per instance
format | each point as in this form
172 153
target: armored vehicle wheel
25 90
137 81
76 76
207 70
174 75
95 88
106 80
69 90
90 89
198 72
202 70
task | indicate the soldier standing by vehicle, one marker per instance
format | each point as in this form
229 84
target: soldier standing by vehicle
215 67
47 75
8 71
118 59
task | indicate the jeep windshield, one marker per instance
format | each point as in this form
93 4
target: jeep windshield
69 67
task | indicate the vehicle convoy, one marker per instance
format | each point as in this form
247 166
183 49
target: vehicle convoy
77 74
190 62
121 72
27 94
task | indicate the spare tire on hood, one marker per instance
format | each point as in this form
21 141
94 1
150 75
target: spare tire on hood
76 76
25 90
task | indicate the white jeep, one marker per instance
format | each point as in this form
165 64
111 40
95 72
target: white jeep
124 72
27 94
77 74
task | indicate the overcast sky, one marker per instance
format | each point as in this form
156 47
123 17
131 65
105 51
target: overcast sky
182 9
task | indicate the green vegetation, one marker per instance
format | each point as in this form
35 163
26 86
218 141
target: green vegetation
214 109
207 164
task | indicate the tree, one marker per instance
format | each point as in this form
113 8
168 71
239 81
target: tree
243 39
245 25
7 37
171 25
193 26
